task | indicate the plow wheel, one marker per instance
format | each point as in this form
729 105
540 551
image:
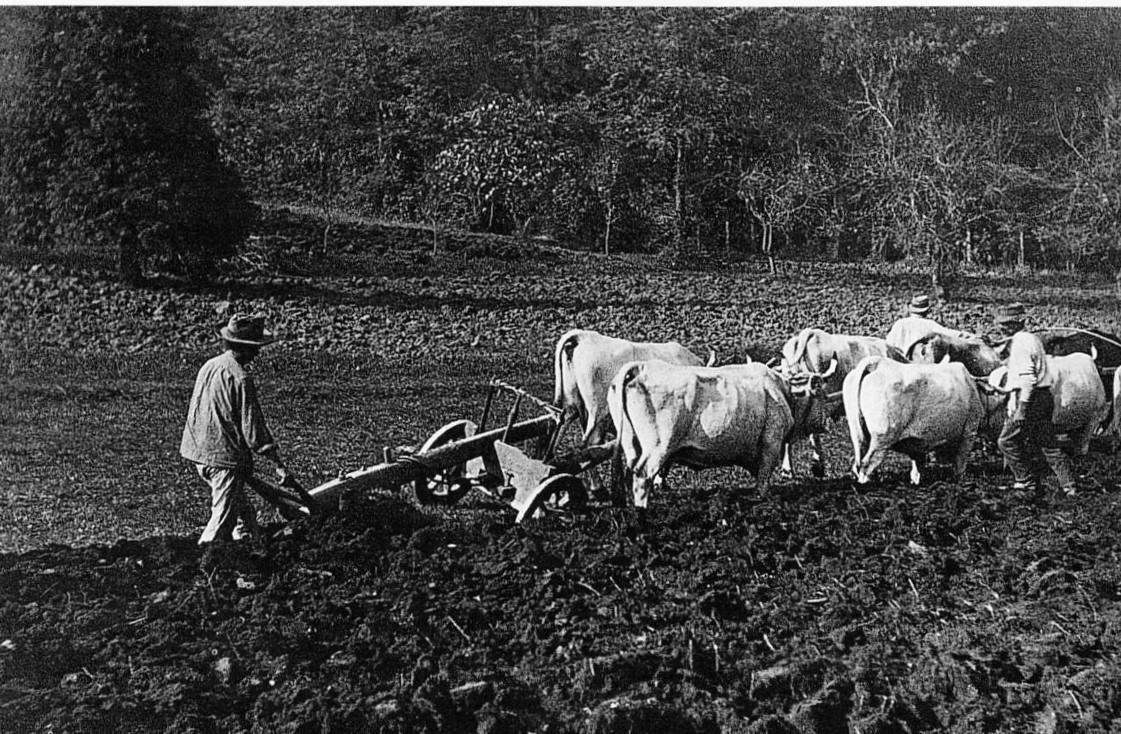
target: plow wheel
446 485
558 492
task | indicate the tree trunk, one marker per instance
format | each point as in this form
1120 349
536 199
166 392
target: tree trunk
771 248
678 202
607 228
128 257
767 244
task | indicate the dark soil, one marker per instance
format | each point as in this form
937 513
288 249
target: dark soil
817 609
820 608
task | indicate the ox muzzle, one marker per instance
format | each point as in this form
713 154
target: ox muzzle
811 401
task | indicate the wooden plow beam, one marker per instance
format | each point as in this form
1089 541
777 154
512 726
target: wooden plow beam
414 467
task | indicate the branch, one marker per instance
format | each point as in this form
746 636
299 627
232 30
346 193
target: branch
1068 140
875 106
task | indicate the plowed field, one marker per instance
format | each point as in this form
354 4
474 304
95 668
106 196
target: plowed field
821 607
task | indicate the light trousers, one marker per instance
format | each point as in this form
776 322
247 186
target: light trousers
231 512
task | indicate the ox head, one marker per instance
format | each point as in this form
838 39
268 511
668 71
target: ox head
977 356
810 397
930 350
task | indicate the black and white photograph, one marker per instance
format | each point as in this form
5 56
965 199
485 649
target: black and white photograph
560 369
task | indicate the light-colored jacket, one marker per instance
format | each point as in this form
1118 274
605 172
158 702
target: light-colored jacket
1027 364
225 425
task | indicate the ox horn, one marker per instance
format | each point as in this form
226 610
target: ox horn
772 362
996 380
831 370
1094 352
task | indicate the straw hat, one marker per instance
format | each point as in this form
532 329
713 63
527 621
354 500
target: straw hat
920 304
1013 313
248 330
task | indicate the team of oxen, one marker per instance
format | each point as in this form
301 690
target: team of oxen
667 406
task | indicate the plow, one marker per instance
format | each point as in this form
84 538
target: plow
515 461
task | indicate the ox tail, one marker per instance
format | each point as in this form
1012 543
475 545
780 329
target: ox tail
858 429
1115 402
626 383
562 363
800 346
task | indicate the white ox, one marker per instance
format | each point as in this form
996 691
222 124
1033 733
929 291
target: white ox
587 361
830 356
1078 394
914 409
736 415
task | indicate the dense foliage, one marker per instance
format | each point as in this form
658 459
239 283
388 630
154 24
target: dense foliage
106 142
940 135
944 134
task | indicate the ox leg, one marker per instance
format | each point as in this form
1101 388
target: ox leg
660 479
640 491
619 478
818 466
1080 440
595 436
871 461
961 456
647 470
767 464
918 463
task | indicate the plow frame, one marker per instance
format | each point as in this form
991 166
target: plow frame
463 455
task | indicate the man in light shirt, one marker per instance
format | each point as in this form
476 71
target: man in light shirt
916 326
226 428
1029 429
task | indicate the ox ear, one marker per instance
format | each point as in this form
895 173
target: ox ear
831 370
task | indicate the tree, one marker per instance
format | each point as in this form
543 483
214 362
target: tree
106 111
786 194
669 93
509 157
895 62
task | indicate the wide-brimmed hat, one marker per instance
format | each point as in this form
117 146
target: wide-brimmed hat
920 304
250 330
1012 313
